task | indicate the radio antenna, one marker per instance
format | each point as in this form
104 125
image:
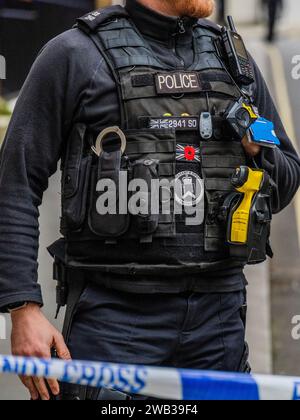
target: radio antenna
231 24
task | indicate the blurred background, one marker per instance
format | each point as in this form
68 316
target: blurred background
271 29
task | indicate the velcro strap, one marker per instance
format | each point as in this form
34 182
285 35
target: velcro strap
167 169
218 184
214 231
166 218
221 161
214 244
143 147
129 40
142 80
205 44
125 60
91 21
215 77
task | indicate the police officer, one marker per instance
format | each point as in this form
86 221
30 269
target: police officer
273 8
147 289
221 11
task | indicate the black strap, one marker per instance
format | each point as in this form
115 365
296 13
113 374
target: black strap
77 283
215 77
270 252
133 269
91 21
98 43
210 25
142 80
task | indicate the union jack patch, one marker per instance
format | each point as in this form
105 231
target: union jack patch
187 153
177 123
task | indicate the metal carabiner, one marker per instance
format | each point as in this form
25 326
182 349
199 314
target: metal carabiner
98 149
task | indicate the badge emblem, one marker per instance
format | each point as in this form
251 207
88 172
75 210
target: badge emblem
189 189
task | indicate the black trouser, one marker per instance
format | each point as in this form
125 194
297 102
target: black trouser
190 330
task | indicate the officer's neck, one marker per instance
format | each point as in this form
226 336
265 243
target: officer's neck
157 25
160 6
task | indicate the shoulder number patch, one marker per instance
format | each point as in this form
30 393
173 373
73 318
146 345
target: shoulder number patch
177 82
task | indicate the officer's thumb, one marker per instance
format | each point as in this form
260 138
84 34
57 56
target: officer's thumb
61 348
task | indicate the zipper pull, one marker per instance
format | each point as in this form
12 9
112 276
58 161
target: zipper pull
181 28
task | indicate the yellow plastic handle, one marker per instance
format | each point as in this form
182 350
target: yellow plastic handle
241 217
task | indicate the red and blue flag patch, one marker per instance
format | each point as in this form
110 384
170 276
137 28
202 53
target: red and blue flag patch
187 153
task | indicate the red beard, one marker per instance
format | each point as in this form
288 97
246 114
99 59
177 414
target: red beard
193 8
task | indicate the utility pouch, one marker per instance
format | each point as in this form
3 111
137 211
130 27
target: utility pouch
151 156
146 220
106 219
219 160
75 181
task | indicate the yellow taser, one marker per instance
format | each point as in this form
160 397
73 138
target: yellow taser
248 182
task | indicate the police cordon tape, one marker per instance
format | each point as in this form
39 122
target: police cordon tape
163 383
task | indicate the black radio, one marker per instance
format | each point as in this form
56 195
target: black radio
238 57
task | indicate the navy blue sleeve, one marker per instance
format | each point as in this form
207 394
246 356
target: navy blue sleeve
29 156
282 163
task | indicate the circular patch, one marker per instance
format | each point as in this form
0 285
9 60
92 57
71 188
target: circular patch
189 188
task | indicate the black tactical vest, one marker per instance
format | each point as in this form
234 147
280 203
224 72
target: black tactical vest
160 115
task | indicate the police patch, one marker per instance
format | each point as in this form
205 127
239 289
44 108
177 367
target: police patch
186 153
177 83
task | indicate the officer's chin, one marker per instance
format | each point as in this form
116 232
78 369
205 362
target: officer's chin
196 8
208 7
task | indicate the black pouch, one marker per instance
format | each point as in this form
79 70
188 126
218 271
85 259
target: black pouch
105 218
257 247
159 148
146 222
219 161
75 181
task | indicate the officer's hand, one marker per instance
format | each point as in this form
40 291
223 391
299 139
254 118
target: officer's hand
251 149
34 336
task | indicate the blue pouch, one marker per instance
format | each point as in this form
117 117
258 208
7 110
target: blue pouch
262 132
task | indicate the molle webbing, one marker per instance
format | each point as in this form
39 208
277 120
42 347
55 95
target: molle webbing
205 50
147 79
126 47
140 83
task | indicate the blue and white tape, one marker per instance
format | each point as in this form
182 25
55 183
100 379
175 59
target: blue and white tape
163 383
